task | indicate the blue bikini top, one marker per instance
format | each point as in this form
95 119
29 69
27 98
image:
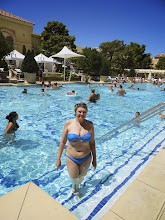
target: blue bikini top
74 137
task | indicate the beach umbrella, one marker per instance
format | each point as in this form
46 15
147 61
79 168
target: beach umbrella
66 53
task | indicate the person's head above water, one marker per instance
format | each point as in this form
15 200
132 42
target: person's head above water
80 104
93 90
12 116
25 90
137 114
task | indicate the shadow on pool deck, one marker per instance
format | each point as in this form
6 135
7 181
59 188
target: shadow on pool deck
143 200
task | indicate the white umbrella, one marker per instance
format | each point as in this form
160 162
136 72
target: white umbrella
14 55
41 58
66 53
54 60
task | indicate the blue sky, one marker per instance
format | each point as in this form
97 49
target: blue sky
95 21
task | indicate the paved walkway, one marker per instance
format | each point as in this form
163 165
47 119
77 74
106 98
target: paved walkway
145 198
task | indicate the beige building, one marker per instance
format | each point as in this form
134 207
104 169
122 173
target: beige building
19 31
156 59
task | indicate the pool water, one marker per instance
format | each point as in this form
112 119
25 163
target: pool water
30 153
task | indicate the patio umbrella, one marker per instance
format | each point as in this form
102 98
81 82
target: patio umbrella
41 58
14 55
66 53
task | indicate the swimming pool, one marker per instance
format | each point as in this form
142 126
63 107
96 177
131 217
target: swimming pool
30 154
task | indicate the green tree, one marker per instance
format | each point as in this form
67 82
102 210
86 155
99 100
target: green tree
110 49
29 64
119 61
4 46
4 65
131 73
91 63
122 56
161 64
104 71
55 37
137 58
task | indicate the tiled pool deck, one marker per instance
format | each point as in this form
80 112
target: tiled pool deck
143 200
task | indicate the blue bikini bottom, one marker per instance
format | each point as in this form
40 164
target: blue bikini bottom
79 160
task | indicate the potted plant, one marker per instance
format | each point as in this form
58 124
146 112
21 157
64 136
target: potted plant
30 68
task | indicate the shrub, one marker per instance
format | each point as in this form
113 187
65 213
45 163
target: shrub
131 73
29 64
74 77
4 65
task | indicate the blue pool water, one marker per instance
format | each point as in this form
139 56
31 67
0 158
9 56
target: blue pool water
30 153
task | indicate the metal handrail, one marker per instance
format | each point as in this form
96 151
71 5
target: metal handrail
143 117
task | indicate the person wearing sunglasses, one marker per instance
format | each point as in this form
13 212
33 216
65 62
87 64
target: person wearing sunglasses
81 146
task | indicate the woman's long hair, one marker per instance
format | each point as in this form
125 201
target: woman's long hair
11 116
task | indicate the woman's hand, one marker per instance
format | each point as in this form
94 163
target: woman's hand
58 163
94 164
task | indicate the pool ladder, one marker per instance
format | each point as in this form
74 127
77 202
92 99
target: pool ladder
135 121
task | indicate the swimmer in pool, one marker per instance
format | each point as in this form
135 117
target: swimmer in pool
24 91
71 93
42 91
137 114
121 91
112 90
81 146
93 97
12 124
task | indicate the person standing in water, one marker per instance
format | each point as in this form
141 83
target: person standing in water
12 124
81 146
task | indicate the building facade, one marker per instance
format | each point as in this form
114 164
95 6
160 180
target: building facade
156 59
19 32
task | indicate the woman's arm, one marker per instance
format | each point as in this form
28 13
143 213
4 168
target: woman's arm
62 144
92 146
9 127
91 95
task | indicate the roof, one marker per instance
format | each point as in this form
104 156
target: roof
160 55
9 15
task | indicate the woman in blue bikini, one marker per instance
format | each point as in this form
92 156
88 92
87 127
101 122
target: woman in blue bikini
81 145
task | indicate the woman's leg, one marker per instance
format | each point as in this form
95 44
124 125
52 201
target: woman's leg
77 172
73 170
84 169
